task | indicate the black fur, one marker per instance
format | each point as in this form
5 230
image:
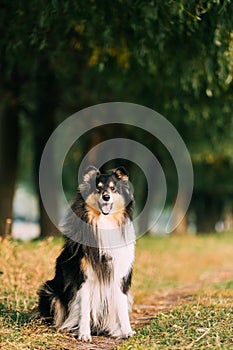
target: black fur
67 280
126 282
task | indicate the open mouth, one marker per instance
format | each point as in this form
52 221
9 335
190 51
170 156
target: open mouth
105 208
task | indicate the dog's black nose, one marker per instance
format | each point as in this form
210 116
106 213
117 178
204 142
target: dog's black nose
106 197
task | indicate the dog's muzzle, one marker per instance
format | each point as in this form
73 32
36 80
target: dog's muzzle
105 203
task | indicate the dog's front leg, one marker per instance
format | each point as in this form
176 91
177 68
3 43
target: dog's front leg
123 316
85 314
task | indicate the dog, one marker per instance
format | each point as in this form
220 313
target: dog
90 292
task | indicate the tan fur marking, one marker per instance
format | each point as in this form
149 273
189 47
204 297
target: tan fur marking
92 204
59 312
84 265
120 175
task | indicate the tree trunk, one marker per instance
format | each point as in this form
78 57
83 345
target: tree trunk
9 140
228 218
208 212
43 126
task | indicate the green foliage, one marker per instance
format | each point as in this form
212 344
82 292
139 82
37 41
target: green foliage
184 47
173 56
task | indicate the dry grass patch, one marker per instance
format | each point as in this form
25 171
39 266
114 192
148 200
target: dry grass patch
171 262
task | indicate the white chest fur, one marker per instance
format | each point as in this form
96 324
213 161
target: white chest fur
112 235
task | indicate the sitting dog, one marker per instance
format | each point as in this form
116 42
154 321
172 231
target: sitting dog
90 291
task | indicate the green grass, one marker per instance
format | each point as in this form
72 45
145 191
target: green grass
201 324
202 265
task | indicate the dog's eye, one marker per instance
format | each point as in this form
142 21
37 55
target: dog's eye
113 188
98 189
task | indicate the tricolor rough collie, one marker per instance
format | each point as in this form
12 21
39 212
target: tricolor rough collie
90 291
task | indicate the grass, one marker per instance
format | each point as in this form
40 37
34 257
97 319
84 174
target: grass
168 262
204 323
203 264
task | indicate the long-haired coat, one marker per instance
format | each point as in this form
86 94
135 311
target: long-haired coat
90 291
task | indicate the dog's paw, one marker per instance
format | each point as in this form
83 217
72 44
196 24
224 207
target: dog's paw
126 335
123 334
85 337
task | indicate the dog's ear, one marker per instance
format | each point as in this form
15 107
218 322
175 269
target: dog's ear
121 173
87 183
91 171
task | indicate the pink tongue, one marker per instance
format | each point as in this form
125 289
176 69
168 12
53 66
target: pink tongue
106 207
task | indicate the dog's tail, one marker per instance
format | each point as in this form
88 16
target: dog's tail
50 307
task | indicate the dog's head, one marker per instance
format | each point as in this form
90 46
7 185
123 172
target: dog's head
106 193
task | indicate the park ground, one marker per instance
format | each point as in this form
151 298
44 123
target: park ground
182 288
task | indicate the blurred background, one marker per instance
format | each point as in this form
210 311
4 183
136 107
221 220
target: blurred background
59 57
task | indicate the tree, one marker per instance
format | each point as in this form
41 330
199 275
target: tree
180 52
9 137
